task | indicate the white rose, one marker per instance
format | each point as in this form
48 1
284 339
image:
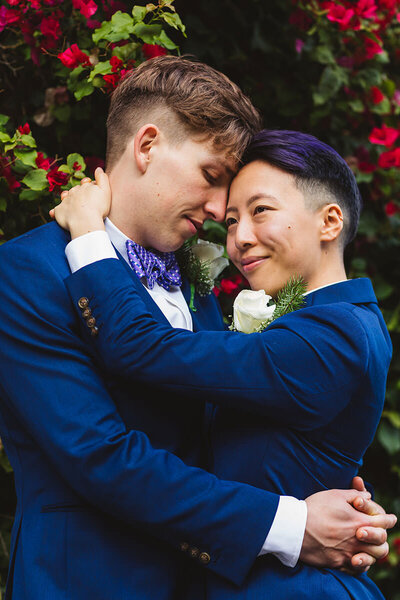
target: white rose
250 310
213 254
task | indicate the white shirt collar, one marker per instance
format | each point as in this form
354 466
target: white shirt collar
324 286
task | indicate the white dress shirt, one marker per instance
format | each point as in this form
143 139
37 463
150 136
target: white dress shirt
285 537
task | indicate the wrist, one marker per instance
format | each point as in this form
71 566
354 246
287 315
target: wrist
83 224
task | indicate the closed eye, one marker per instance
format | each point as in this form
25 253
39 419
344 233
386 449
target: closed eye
210 178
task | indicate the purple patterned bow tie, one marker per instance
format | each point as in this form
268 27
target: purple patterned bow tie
160 267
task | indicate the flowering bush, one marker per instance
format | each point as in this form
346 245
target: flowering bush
331 68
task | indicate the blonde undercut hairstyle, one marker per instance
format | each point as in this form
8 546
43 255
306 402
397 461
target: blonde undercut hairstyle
184 97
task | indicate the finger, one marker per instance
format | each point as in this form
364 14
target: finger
385 521
63 194
51 213
376 552
102 180
368 507
358 484
362 561
85 180
372 535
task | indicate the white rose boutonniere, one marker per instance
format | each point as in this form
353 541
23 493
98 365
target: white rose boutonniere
252 311
201 263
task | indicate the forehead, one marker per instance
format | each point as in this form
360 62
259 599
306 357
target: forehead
259 178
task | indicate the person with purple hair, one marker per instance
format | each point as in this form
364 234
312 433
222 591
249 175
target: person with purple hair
296 402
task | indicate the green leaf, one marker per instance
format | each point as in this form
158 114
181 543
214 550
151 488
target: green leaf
75 158
3 120
165 41
323 55
36 179
83 88
3 204
102 32
383 108
174 20
28 157
331 81
356 105
62 112
389 437
127 52
147 33
393 417
29 195
100 69
4 137
139 13
65 169
28 140
119 28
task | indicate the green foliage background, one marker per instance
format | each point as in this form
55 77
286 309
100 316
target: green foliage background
301 70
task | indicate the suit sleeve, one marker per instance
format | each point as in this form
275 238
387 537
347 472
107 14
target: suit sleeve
301 371
49 382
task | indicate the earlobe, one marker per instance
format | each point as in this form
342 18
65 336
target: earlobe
144 142
332 225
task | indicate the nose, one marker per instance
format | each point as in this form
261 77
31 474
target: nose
215 206
244 234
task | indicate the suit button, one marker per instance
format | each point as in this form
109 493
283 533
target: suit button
94 330
91 322
204 558
194 552
86 312
184 546
83 302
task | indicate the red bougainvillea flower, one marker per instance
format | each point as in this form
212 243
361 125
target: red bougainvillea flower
392 209
6 172
87 8
346 18
76 166
24 129
111 80
153 50
366 9
372 47
116 63
73 57
396 542
50 27
376 95
56 179
232 285
389 159
385 136
42 162
300 20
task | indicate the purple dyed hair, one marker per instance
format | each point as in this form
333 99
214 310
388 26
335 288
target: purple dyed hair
316 167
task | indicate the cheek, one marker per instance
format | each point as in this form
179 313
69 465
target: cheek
231 247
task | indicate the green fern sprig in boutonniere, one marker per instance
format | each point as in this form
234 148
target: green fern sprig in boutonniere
253 310
201 263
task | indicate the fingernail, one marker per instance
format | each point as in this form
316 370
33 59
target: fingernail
360 562
364 533
360 502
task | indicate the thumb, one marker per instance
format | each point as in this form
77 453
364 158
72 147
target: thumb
358 484
102 180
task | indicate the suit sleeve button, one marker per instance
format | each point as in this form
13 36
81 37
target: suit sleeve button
91 322
86 312
83 302
94 330
184 546
204 558
194 552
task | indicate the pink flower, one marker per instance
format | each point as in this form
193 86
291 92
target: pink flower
73 57
299 45
42 162
24 129
366 9
153 50
385 136
56 179
372 48
389 159
87 8
344 17
50 26
391 209
376 95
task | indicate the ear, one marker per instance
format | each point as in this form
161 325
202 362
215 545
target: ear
332 222
145 140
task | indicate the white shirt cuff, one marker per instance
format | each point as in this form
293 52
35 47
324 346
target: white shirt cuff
89 248
285 538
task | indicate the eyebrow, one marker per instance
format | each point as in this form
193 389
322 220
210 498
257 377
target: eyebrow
253 199
217 162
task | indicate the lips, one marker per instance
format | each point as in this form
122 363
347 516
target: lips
196 225
251 262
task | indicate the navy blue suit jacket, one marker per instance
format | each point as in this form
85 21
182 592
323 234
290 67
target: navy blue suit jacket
298 404
107 508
